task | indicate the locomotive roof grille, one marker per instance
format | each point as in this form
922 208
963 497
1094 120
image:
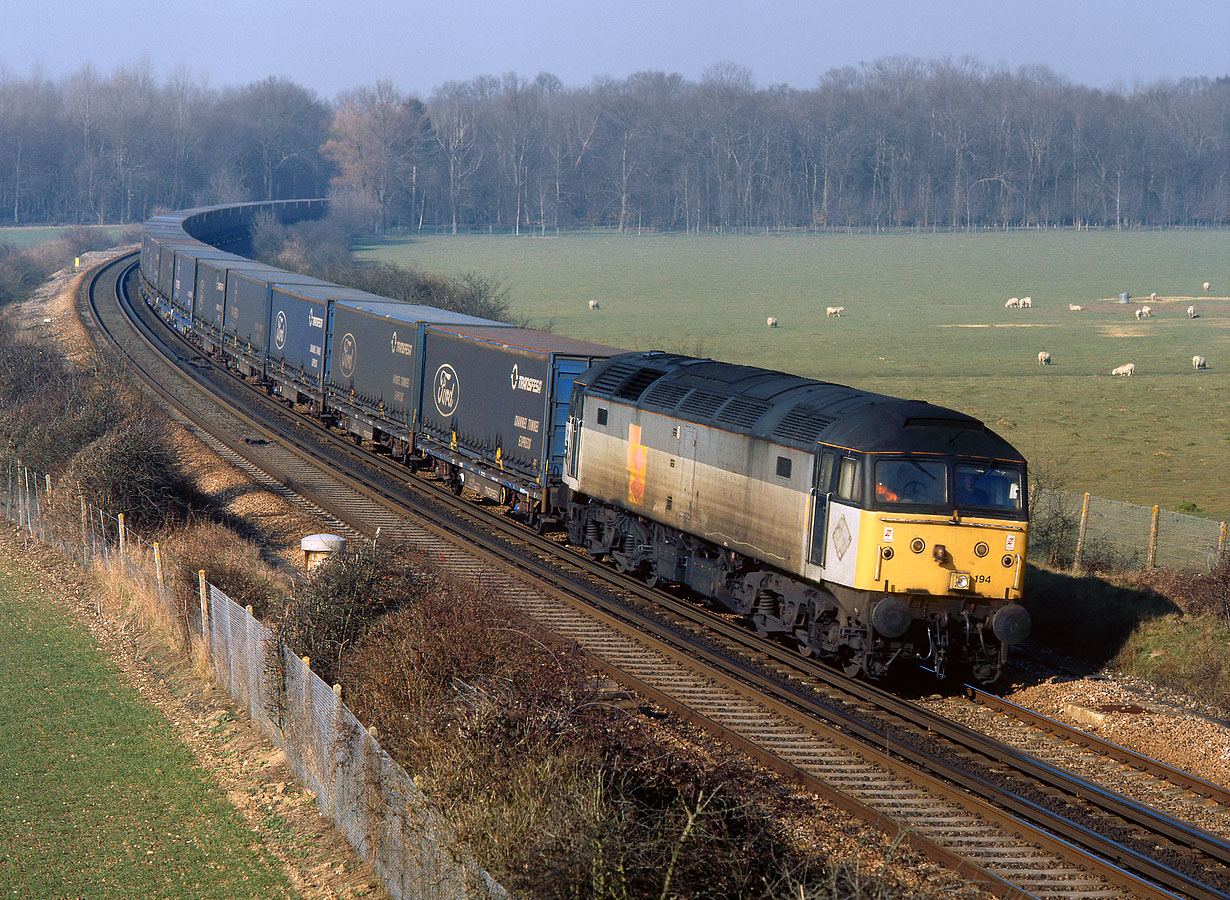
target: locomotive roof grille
701 403
612 377
743 412
632 388
666 395
802 425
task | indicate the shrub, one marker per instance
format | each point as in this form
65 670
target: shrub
325 618
233 564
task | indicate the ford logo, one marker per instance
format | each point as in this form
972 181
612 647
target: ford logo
349 353
446 390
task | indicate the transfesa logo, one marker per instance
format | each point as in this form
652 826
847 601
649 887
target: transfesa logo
525 383
279 331
349 355
446 390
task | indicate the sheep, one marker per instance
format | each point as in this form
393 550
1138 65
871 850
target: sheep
1073 307
1127 370
1044 358
835 311
1013 303
1027 302
1206 287
1138 315
593 304
772 322
1191 313
1199 362
1146 312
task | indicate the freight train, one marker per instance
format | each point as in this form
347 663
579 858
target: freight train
864 529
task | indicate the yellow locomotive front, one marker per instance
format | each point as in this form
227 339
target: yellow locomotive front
938 564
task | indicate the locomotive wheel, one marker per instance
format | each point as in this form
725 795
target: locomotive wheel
652 581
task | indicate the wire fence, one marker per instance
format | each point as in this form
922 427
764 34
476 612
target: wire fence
366 793
1090 532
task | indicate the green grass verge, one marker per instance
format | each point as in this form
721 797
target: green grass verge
924 318
21 237
100 798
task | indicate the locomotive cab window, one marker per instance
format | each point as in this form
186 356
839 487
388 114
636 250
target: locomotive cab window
849 479
783 467
989 485
601 415
911 482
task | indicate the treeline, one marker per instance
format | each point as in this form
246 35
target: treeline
899 143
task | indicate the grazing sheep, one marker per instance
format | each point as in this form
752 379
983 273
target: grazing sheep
1191 313
1128 369
1013 303
1138 315
1206 287
1075 307
1027 302
772 322
835 311
1044 358
1199 362
1146 312
593 304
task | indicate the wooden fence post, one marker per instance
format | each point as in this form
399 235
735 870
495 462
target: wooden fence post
1151 559
158 568
1080 536
122 537
205 618
1221 542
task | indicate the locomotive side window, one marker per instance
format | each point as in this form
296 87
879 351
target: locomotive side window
783 467
911 481
989 486
849 480
601 415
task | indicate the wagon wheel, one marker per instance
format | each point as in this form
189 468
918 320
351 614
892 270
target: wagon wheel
652 580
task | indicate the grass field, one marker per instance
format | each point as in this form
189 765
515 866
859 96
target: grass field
924 318
26 237
100 798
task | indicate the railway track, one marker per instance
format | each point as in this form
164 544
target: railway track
996 813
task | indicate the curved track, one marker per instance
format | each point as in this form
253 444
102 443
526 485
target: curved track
1005 819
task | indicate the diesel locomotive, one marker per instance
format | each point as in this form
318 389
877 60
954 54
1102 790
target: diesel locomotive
868 530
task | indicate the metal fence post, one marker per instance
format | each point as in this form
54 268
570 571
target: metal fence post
1080 535
85 535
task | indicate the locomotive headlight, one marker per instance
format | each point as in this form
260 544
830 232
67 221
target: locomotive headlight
981 549
959 581
918 545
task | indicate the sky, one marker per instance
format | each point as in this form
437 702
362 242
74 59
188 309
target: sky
331 46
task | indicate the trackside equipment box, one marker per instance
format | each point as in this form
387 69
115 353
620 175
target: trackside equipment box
372 357
500 396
